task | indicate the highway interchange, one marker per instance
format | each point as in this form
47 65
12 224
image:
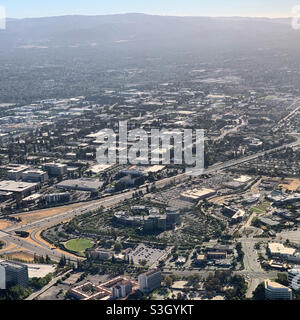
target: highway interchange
8 235
253 272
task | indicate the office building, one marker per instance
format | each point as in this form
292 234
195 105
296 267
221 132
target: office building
57 197
13 273
83 184
197 195
294 278
55 169
101 253
121 289
14 171
35 176
279 250
18 187
150 280
216 255
276 291
173 217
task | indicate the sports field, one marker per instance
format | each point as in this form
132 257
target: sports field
78 245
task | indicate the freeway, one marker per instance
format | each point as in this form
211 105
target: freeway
40 248
283 120
235 162
20 243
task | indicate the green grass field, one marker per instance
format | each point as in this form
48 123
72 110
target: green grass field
78 245
261 208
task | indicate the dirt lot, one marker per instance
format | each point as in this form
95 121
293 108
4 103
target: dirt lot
20 256
5 224
290 184
37 215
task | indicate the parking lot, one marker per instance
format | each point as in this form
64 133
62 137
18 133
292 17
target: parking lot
143 252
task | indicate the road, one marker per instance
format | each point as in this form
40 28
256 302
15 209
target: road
252 272
41 249
45 288
226 132
283 120
252 268
235 162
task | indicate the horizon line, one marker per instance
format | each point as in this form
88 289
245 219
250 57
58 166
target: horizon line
151 14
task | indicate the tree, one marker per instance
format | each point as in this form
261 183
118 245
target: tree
18 293
118 247
38 283
62 261
282 278
175 256
259 292
143 262
168 281
179 296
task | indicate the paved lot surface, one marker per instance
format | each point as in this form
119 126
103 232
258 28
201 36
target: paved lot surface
39 270
143 252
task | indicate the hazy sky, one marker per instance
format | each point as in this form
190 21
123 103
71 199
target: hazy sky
250 8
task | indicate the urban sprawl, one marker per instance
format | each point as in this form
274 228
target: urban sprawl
73 228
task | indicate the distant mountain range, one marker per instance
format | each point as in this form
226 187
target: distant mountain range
141 32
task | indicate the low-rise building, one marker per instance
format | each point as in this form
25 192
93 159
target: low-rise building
55 169
150 218
216 255
57 197
35 176
198 194
201 259
268 221
89 291
14 171
116 288
238 216
279 250
223 263
83 184
18 187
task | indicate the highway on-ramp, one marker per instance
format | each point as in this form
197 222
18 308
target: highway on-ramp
40 248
